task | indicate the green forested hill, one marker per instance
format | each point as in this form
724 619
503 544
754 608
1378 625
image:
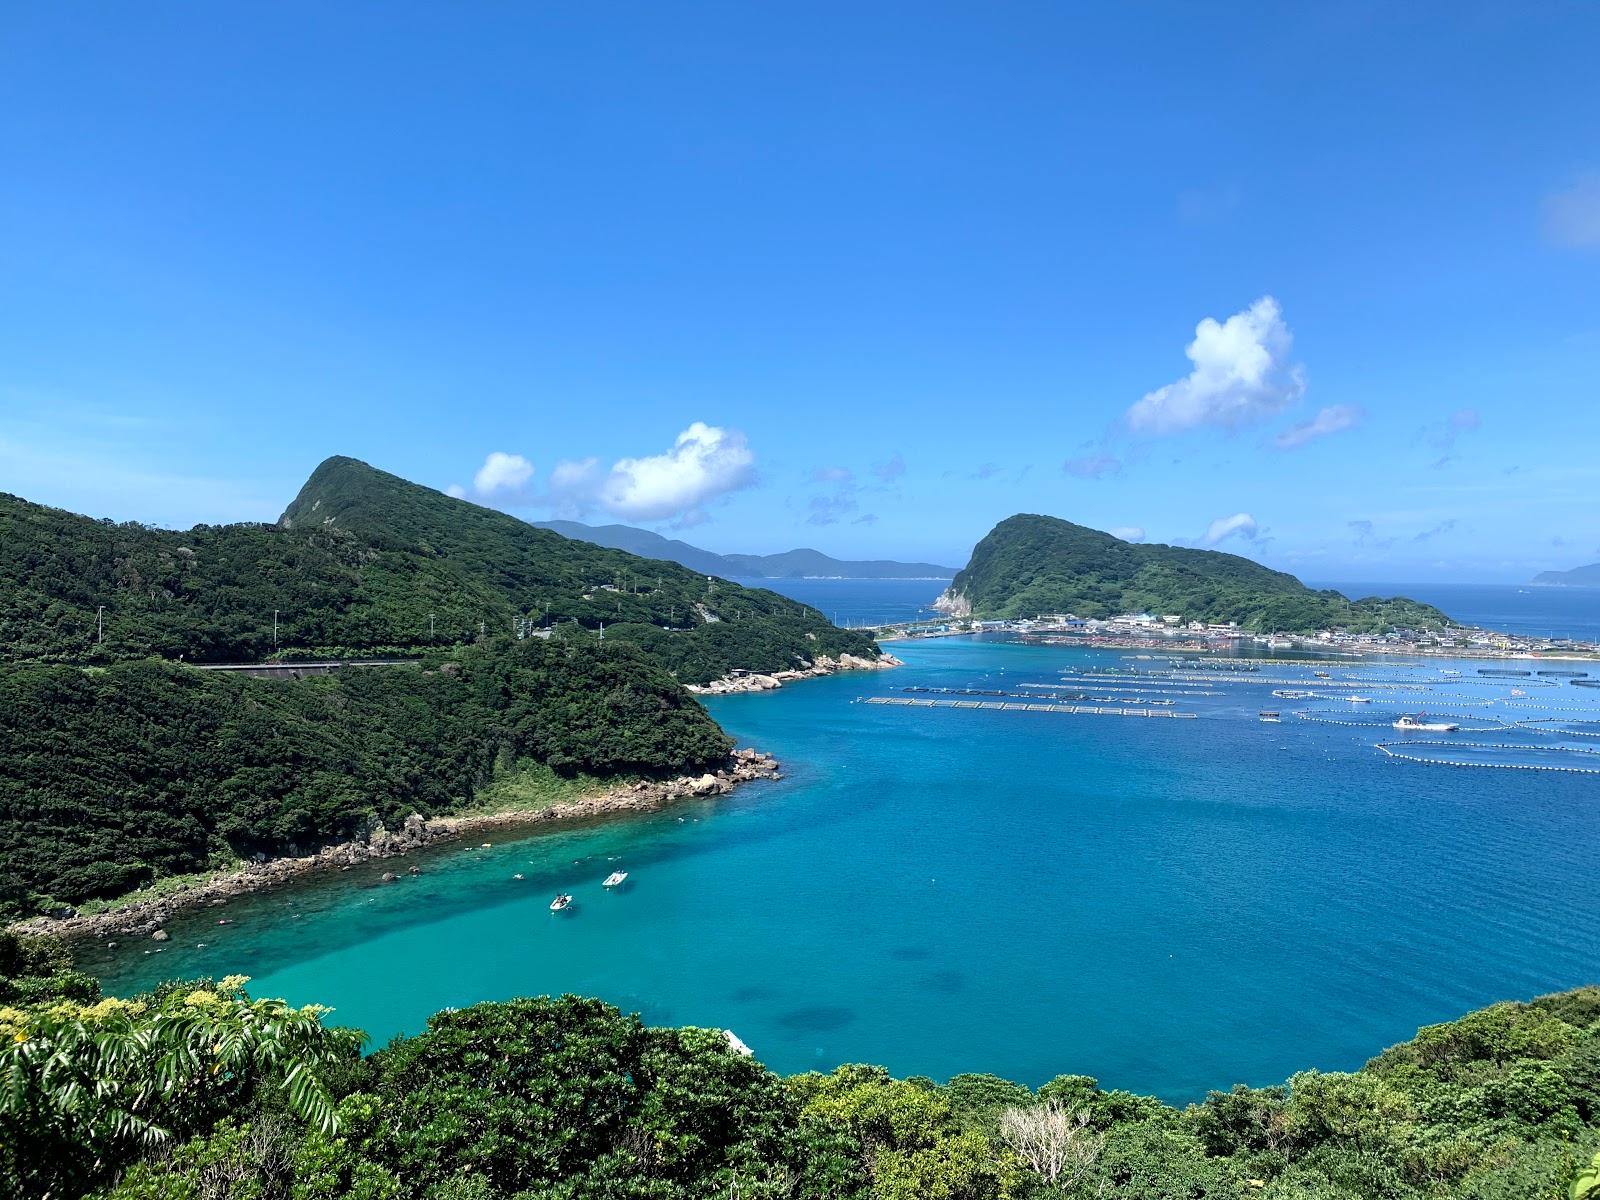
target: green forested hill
113 777
1030 564
365 562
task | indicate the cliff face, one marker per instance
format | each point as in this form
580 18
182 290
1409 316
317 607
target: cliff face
954 603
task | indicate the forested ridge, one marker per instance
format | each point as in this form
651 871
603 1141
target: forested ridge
117 776
199 1092
362 563
1031 564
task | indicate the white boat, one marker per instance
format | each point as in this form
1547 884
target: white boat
615 879
1418 723
560 902
1271 717
1279 644
1359 699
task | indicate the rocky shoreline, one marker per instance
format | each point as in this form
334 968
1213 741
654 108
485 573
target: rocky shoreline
147 918
749 681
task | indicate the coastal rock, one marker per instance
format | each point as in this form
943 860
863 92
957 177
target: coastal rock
823 665
389 877
146 917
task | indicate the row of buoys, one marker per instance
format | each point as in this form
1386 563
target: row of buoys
1389 749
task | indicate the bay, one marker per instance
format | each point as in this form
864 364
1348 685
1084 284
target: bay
1169 905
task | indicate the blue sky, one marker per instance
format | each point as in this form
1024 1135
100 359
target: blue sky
1317 284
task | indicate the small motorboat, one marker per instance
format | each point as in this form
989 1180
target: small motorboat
1322 675
615 879
1418 722
561 903
1271 717
1359 699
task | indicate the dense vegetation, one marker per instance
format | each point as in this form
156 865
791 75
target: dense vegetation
362 563
1028 565
116 776
198 1092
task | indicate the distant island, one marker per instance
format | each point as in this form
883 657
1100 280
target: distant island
1030 564
791 564
1586 577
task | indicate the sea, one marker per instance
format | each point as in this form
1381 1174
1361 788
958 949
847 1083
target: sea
1171 904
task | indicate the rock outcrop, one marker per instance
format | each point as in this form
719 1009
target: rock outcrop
415 833
824 665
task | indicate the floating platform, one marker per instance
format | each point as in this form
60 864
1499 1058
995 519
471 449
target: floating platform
1004 706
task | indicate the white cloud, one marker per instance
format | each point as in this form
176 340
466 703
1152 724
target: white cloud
456 490
705 462
1242 374
1572 216
1128 533
1335 419
1241 525
502 475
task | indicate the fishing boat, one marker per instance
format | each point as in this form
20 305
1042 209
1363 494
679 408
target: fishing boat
1419 723
560 903
1359 699
1271 717
1322 675
615 879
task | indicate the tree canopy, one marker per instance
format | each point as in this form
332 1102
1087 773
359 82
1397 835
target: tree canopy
117 776
364 563
199 1092
1030 564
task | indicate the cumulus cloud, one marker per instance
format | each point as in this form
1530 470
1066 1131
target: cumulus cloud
705 462
831 475
1335 419
1240 525
1572 216
456 490
1092 465
1242 374
1127 533
502 475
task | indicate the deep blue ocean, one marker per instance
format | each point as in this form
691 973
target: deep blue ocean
1169 905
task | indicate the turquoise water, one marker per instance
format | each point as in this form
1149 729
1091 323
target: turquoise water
1169 905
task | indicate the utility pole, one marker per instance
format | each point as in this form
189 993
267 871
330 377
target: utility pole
430 627
100 625
274 629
